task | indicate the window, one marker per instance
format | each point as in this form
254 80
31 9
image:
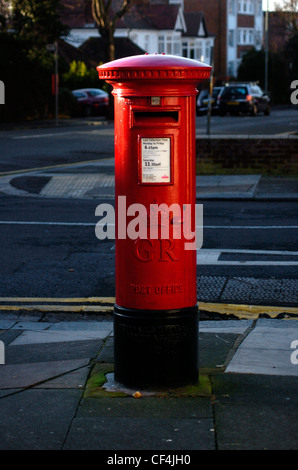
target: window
246 7
176 45
199 51
258 39
232 7
169 45
239 39
161 44
251 7
191 50
250 36
147 42
208 51
245 36
231 37
231 68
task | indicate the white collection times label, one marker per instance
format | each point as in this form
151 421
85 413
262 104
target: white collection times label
156 159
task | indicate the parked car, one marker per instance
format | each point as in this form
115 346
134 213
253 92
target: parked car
244 98
203 98
91 101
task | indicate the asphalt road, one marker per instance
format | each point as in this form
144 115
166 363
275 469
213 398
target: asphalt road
280 121
85 139
49 247
36 148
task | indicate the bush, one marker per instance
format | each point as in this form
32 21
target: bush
80 76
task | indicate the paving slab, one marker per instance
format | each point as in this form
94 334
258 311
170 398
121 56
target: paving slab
47 352
267 351
58 336
145 407
263 361
31 325
4 393
74 379
141 434
106 354
214 349
37 419
27 375
83 326
277 323
7 336
223 326
255 412
6 324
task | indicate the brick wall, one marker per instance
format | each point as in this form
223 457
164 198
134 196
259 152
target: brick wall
247 154
245 21
215 13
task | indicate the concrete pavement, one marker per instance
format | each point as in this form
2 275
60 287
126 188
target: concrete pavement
56 364
57 390
95 181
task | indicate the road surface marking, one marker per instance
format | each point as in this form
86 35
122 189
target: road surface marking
211 257
50 167
211 227
71 224
60 300
58 134
38 136
241 311
246 311
57 308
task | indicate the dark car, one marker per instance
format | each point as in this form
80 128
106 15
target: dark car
91 101
203 99
243 98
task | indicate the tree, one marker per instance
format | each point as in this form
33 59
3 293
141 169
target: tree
291 53
106 17
288 12
252 68
38 20
26 65
4 14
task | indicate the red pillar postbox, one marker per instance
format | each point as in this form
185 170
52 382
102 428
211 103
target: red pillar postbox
156 313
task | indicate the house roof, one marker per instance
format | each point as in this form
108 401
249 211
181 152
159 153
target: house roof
70 53
147 16
95 47
195 20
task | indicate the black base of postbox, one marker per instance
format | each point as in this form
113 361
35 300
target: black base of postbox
155 348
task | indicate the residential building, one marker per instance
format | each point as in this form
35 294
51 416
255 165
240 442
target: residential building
155 27
237 26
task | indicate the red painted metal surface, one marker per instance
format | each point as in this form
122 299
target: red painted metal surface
154 165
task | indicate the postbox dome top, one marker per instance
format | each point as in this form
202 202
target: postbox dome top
154 66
